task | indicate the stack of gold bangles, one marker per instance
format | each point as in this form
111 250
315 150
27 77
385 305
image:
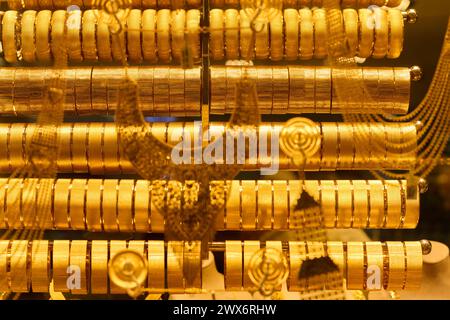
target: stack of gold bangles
306 3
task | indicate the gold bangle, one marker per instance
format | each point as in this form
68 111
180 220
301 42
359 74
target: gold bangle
175 265
115 246
280 90
36 79
78 259
320 33
118 46
17 144
410 217
306 48
328 202
265 205
125 202
402 90
291 23
176 92
148 35
19 274
99 90
316 250
161 89
58 38
73 35
351 30
247 208
376 214
61 250
40 268
250 248
245 36
177 25
381 33
64 161
413 265
3 189
344 203
145 80
9 36
264 88
83 103
78 147
99 267
322 101
4 260
233 265
297 254
355 265
192 90
156 265
374 264
301 89
216 24
396 25
149 4
366 33
21 99
218 88
335 250
69 101
329 146
95 148
371 79
361 195
276 37
193 32
110 150
93 204
88 27
396 271
262 42
280 204
76 204
61 206
346 152
232 34
142 206
163 34
394 204
231 77
28 36
109 204
233 207
103 38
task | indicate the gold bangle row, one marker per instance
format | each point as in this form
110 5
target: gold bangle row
302 34
85 36
87 4
80 144
94 90
297 89
127 205
298 4
399 264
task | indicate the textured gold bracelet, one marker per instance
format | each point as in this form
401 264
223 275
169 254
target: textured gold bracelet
247 48
178 41
232 34
395 38
88 30
381 33
9 36
148 35
163 34
366 33
291 20
193 32
57 32
216 25
320 33
351 30
74 34
134 36
28 36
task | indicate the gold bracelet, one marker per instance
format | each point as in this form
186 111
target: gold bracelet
93 204
265 208
245 36
57 32
322 94
76 204
402 92
216 25
61 204
149 4
250 248
344 203
397 267
9 36
262 41
346 152
280 203
175 265
125 202
40 266
232 34
178 22
95 148
386 89
280 90
99 90
83 99
413 265
163 34
320 33
176 92
247 208
192 90
19 275
264 87
302 89
156 265
276 37
161 88
366 33
297 254
233 265
142 206
381 33
149 48
351 30
355 265
103 38
291 23
377 204
115 246
78 259
4 261
61 250
99 267
193 32
88 28
335 250
28 36
16 144
394 204
110 205
134 36
329 145
306 47
396 25
73 35
118 45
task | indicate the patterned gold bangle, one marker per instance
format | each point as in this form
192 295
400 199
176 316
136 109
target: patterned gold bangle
216 25
232 34
351 30
245 36
118 46
377 204
346 153
57 31
355 265
233 265
93 204
280 203
322 93
76 204
148 35
264 86
177 25
103 38
320 33
175 265
329 146
262 41
88 28
156 264
291 23
265 219
381 33
134 35
306 46
193 32
163 34
28 36
74 35
40 266
19 275
9 36
413 265
366 33
395 26
297 253
276 37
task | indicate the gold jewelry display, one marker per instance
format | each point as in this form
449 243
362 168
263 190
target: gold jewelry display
308 3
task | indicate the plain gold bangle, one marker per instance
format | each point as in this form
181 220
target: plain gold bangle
4 185
28 36
163 34
320 33
88 27
156 265
40 268
344 205
233 265
19 275
247 208
375 258
177 25
109 205
110 149
64 161
396 25
232 34
245 36
73 35
148 35
276 37
232 219
99 267
142 205
134 35
58 39
61 203
376 214
93 204
381 33
291 22
396 274
306 47
265 208
366 33
95 147
216 24
4 274
394 204
78 259
78 147
250 248
193 32
61 254
297 254
351 30
355 265
103 38
125 202
280 204
175 265
413 252
76 204
9 36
